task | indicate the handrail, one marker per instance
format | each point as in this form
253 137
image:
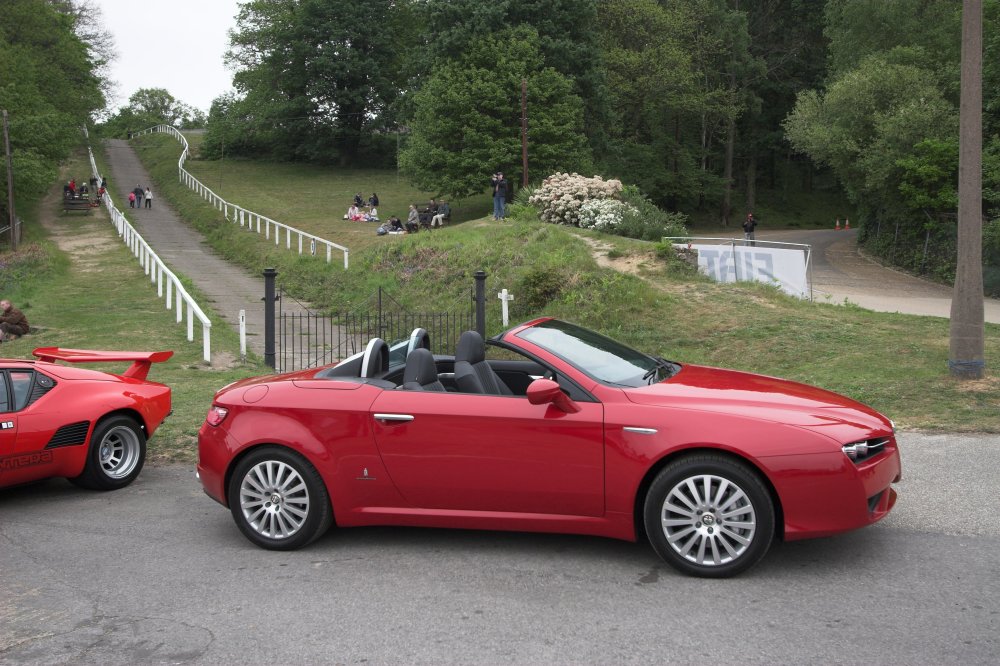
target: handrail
245 217
157 270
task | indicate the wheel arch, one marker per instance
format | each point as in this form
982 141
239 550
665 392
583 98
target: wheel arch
128 412
674 456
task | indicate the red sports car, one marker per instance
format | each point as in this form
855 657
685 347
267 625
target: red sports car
88 426
549 427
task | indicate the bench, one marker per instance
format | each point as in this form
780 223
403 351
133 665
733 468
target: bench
426 214
78 204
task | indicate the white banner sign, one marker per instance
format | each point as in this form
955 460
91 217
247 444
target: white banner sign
785 269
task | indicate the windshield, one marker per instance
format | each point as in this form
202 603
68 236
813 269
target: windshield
599 357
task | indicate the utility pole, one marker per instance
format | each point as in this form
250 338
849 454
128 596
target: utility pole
966 354
524 133
10 186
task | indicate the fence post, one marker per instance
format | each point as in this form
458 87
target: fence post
481 302
269 276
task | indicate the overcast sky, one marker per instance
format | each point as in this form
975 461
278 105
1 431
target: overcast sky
172 44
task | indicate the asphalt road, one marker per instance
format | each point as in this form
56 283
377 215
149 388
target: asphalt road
158 573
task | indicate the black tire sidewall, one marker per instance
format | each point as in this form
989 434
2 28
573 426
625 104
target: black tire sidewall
319 503
94 476
735 472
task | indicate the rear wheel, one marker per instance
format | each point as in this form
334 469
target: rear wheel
709 516
116 455
279 500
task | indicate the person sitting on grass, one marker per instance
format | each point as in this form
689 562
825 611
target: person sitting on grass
396 225
13 323
354 214
372 215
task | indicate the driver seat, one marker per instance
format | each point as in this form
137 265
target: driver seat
420 373
472 373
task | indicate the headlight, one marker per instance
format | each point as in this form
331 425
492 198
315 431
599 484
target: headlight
859 451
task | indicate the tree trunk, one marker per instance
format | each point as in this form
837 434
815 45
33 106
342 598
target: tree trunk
966 357
727 176
752 182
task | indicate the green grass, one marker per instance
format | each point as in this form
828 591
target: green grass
96 296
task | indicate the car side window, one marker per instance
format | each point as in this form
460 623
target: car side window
21 381
4 402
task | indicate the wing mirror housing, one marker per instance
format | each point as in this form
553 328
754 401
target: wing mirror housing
546 391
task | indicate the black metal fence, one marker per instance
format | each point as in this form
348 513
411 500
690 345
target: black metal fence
306 339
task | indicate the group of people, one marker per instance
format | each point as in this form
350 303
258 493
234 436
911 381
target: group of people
136 196
13 323
360 212
71 191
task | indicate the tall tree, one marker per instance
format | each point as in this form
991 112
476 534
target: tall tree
466 123
966 357
317 78
152 106
567 40
48 86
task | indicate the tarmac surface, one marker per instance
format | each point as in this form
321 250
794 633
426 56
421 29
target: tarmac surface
157 573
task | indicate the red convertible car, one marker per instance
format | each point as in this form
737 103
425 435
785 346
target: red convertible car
88 426
555 429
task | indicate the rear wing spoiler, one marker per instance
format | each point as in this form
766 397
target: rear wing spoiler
141 361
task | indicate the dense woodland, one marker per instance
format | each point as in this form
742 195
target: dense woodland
705 105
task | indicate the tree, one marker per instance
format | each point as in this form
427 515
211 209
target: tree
317 78
152 106
48 87
466 123
567 33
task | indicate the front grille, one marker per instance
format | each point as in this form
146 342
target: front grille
863 450
72 434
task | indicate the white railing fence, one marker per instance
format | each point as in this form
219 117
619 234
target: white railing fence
306 242
176 295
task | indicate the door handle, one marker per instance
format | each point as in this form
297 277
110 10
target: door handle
401 418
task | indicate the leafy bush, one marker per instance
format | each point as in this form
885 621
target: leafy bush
521 208
644 220
561 196
602 214
537 287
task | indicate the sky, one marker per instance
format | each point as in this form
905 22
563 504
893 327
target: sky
172 44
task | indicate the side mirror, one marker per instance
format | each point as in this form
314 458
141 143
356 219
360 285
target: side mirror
546 391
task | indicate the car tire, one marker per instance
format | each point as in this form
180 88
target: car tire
116 455
278 499
709 516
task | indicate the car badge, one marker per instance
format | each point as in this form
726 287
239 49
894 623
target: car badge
364 476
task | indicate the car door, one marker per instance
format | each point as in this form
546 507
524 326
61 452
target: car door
472 452
8 428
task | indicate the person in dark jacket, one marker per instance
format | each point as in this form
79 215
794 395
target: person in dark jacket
13 323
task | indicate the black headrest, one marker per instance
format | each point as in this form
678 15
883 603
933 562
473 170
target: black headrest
376 359
420 367
470 348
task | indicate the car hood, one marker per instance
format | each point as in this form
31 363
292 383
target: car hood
762 397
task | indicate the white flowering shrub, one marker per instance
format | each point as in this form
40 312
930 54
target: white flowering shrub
561 196
602 214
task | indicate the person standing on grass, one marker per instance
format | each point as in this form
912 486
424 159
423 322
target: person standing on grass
149 198
13 323
499 195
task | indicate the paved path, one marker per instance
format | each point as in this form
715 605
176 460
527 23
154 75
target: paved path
841 273
229 288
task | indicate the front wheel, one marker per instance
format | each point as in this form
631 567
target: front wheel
116 455
278 499
709 516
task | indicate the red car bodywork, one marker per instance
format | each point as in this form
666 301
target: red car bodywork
500 462
50 435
